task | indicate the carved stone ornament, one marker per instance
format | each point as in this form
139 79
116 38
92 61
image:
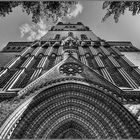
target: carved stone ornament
71 69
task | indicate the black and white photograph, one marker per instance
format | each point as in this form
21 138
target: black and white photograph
69 69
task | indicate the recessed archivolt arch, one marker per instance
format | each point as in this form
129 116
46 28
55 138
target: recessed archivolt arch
95 111
72 117
69 126
74 110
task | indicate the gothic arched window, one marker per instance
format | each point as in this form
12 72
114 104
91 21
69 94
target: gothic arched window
13 48
57 37
40 55
70 34
8 48
84 37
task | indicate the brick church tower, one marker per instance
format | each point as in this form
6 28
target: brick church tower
68 84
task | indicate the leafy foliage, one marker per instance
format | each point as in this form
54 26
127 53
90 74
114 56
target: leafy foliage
6 7
39 9
117 8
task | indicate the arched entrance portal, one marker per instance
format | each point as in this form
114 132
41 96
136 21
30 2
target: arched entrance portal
73 110
70 129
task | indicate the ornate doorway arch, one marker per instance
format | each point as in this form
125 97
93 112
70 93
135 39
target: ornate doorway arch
73 110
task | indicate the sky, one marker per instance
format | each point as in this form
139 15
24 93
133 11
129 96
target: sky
17 26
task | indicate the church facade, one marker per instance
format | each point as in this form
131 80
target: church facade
68 84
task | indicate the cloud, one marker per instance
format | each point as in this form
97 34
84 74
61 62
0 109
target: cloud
77 9
36 31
